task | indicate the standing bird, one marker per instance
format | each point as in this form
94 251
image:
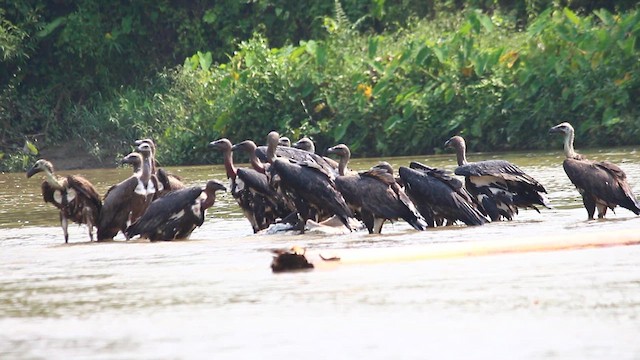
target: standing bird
166 181
602 184
251 190
498 185
307 144
308 185
74 195
284 141
439 196
374 196
299 155
126 201
176 214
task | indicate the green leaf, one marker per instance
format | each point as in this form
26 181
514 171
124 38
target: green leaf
392 122
485 21
373 47
30 148
48 29
341 129
424 52
321 54
205 60
572 16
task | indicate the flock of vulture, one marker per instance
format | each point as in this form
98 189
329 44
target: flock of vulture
290 184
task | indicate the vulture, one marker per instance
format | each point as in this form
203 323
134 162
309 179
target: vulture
307 185
602 184
176 214
328 165
307 144
438 196
126 201
166 181
75 197
374 196
499 186
284 141
251 190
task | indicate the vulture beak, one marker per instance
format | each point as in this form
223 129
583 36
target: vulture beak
555 130
447 143
34 170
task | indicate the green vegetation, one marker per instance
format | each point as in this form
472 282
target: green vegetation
385 79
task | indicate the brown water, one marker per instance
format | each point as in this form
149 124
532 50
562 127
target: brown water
214 296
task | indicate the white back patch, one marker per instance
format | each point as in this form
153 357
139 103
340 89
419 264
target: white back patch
57 196
177 215
140 190
71 194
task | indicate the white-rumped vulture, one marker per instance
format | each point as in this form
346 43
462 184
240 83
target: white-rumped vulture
307 144
166 181
373 195
299 155
73 195
306 184
602 184
498 185
126 201
176 214
257 200
439 196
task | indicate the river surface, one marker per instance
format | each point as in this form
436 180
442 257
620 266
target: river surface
394 296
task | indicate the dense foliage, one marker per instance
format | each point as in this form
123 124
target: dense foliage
361 72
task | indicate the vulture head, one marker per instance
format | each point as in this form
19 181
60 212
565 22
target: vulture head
284 141
305 144
134 159
456 142
341 150
562 128
221 144
247 146
39 166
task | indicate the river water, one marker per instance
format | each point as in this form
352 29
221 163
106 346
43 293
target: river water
400 295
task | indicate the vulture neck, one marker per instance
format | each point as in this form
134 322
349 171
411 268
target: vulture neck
342 166
208 202
53 180
228 165
145 176
569 152
255 162
461 155
271 152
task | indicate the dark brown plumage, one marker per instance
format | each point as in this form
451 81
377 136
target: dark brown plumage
262 153
308 185
602 184
176 214
125 202
74 196
374 196
499 186
258 201
439 196
166 181
307 144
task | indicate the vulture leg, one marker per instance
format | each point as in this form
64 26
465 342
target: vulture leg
589 204
368 220
303 211
377 225
86 216
602 210
65 224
